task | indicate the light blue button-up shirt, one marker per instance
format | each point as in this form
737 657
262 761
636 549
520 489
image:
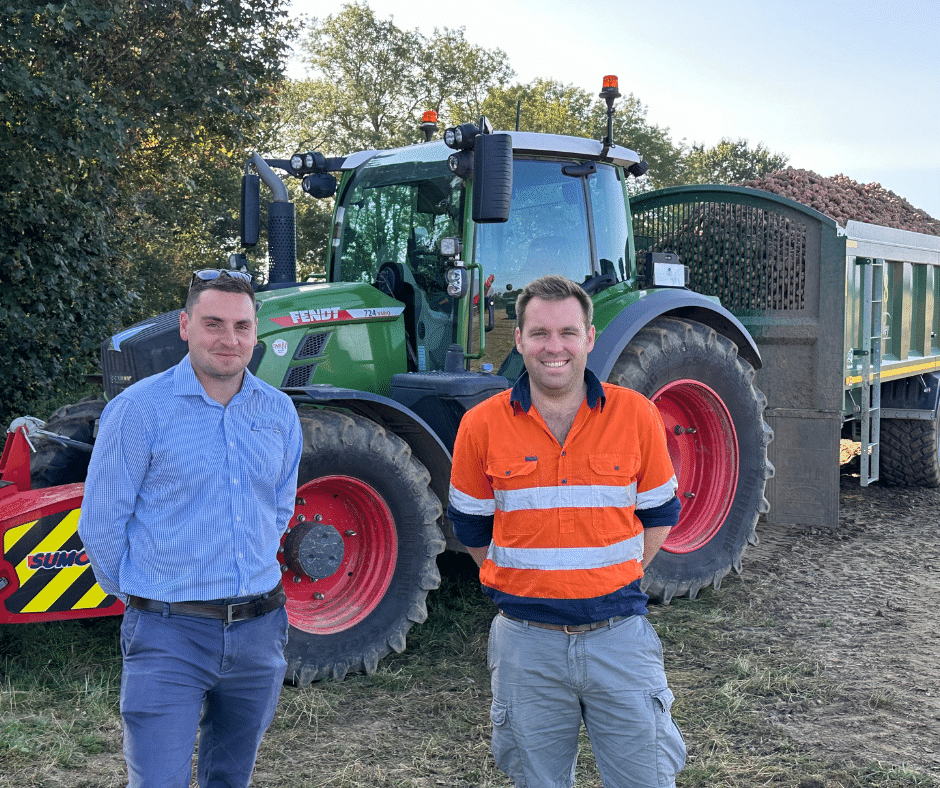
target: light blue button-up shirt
187 499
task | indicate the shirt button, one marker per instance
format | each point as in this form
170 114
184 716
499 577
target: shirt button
564 481
238 519
234 481
232 444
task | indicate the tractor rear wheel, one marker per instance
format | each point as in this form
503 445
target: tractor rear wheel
717 440
54 464
359 556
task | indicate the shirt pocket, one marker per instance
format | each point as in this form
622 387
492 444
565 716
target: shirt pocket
266 448
520 500
613 484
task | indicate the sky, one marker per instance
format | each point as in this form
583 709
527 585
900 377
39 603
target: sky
849 88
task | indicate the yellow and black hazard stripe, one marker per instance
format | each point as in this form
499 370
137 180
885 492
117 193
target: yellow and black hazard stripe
52 567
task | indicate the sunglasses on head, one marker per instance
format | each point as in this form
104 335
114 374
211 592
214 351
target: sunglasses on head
208 274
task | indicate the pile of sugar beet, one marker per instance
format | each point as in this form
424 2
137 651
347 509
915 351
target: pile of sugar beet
843 199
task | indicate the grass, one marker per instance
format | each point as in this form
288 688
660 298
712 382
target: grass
422 720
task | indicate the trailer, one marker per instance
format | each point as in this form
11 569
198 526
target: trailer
847 323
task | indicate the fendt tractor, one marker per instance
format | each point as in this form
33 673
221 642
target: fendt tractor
704 298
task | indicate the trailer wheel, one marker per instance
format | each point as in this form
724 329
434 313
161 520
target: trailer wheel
910 452
717 440
359 556
54 464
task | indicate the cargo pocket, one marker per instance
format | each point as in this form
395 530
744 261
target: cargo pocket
670 746
505 751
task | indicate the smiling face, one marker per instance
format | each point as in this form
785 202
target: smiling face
554 342
221 329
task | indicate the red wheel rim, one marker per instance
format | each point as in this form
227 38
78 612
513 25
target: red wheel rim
703 446
366 529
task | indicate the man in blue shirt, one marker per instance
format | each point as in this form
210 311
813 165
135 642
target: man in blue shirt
191 484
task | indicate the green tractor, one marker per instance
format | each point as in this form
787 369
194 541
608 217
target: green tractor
430 246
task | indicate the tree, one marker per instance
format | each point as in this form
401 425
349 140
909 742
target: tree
104 104
729 162
372 81
546 105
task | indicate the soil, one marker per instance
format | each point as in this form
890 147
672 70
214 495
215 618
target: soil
841 198
862 601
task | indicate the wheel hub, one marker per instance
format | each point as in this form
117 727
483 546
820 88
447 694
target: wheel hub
339 554
313 549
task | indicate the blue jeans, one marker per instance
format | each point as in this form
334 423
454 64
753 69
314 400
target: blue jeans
182 674
545 682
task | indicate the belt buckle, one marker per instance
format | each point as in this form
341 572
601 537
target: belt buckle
229 608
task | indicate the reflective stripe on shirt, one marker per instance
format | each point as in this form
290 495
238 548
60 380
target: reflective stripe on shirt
658 495
482 507
571 496
565 558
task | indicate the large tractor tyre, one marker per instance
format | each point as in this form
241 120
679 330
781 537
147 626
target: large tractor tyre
359 556
54 464
910 452
717 440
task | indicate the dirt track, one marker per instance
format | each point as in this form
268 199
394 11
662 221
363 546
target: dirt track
863 602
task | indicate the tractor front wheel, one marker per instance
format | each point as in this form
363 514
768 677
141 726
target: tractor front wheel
717 440
359 556
54 464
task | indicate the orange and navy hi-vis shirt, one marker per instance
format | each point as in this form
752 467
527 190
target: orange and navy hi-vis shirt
563 524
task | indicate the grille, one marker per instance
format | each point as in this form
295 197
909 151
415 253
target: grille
748 257
312 345
298 377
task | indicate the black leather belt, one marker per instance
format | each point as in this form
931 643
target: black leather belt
568 629
238 612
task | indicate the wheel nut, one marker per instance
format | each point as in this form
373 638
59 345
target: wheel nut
318 595
318 518
300 518
350 532
297 578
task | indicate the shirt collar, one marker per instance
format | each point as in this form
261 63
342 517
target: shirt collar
521 396
185 383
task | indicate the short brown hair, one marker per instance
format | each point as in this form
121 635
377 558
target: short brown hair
223 283
554 288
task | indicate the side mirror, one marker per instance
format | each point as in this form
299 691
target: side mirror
492 178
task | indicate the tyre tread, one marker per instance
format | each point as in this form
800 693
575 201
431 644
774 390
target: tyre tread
661 339
362 436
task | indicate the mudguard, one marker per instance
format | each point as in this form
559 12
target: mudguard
616 335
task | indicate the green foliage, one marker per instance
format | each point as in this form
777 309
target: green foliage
546 105
730 162
372 81
105 106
